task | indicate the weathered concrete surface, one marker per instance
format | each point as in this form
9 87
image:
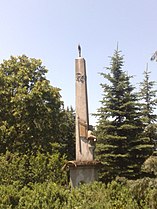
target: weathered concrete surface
82 174
84 168
84 149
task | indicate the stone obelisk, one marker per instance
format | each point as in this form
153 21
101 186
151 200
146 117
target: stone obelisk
84 168
83 151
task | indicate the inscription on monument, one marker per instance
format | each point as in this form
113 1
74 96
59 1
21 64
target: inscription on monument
80 77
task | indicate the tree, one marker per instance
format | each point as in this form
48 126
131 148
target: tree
31 109
147 95
121 148
68 134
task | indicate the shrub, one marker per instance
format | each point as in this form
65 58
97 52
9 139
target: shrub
22 170
144 191
151 198
100 196
119 194
45 196
9 197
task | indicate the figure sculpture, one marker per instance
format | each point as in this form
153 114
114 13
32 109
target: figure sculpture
79 50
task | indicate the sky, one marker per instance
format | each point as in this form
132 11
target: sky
52 29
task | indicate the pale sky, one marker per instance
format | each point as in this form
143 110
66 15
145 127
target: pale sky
51 30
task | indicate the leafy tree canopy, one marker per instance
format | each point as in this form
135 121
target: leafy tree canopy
31 109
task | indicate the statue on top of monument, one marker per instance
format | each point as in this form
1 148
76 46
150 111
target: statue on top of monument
154 56
79 50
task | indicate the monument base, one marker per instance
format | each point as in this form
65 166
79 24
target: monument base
83 172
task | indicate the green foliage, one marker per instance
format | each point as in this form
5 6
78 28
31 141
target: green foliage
21 170
100 196
145 192
9 197
147 95
31 109
151 199
45 196
121 194
122 147
68 134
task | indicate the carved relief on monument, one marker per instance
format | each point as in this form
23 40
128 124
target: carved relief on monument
82 129
80 78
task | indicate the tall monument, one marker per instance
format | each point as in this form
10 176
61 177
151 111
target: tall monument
84 142
83 169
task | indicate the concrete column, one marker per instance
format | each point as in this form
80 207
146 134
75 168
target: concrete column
83 151
84 168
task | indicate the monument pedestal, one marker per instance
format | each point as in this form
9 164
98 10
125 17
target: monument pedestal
83 172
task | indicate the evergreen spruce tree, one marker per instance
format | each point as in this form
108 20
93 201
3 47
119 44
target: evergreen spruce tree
121 148
147 95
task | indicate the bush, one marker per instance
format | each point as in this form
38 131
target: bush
100 196
45 196
151 198
139 194
144 191
22 170
9 197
